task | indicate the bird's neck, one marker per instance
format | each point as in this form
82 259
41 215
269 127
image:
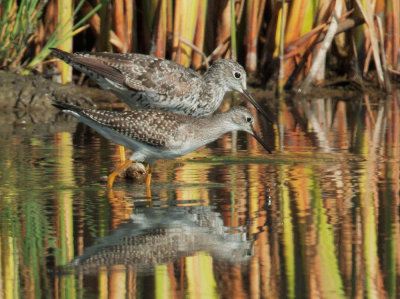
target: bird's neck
214 126
215 88
215 79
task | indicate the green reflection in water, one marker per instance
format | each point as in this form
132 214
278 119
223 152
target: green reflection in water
65 215
288 234
330 273
52 207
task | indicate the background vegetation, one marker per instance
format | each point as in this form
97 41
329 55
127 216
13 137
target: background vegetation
322 211
271 38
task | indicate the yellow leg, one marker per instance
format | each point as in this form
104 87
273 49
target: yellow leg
110 194
148 181
111 177
122 154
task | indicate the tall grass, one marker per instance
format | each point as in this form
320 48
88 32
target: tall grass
196 32
21 29
18 22
59 35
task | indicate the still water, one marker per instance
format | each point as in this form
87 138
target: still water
318 218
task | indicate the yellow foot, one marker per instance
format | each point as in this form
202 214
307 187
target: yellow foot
111 177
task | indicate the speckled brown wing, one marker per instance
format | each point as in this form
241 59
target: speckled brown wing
152 127
90 64
138 72
160 76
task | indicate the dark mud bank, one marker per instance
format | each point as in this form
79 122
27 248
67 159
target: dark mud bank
26 101
34 92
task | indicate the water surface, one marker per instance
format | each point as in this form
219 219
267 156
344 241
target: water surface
317 218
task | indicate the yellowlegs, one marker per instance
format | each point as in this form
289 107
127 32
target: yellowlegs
157 134
147 82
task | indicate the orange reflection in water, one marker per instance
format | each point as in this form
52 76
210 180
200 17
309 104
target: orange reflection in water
318 218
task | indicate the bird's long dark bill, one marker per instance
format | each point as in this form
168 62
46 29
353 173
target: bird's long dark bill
258 107
258 138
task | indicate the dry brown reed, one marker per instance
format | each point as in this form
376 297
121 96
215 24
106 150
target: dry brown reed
195 32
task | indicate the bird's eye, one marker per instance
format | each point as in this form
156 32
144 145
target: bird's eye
249 119
237 75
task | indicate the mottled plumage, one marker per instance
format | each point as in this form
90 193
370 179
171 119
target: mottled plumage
147 82
157 134
145 126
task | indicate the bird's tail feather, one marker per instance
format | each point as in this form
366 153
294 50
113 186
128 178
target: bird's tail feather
65 106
